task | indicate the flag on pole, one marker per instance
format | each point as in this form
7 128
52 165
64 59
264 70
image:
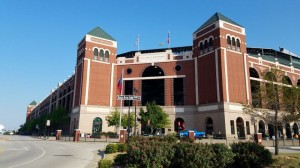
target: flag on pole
120 84
168 39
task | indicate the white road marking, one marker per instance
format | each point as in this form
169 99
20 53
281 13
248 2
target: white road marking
44 152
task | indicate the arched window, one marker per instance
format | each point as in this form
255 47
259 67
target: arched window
209 126
210 44
272 99
205 45
288 96
95 54
255 89
233 43
97 126
101 55
238 44
228 42
201 48
106 56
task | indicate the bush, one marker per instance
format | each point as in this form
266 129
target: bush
171 138
250 155
105 163
122 147
112 134
149 153
222 155
121 159
192 155
111 148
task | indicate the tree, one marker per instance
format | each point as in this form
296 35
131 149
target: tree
154 117
114 119
279 101
58 118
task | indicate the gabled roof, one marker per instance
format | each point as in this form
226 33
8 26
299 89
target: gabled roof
33 103
216 17
98 32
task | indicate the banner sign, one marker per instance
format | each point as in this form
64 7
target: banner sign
129 97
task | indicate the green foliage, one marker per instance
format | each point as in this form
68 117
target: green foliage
105 163
154 117
122 147
222 155
111 148
150 154
58 118
114 119
171 138
192 155
250 155
121 159
112 134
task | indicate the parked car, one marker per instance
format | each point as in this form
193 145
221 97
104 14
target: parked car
185 133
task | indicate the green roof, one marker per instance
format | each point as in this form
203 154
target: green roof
217 16
33 103
98 32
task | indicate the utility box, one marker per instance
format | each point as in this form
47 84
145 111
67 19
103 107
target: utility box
122 138
258 138
58 134
191 135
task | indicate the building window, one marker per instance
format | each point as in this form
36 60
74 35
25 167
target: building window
129 71
232 127
106 56
248 127
128 91
101 55
228 42
95 54
238 45
177 68
210 44
205 46
178 91
233 43
201 48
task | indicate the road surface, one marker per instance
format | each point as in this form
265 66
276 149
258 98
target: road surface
27 152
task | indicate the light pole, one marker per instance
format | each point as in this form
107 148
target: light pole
135 91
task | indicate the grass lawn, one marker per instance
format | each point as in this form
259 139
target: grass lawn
286 160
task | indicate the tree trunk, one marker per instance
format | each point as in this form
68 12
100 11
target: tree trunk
276 133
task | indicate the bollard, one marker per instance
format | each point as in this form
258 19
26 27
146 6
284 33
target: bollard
58 134
76 135
191 135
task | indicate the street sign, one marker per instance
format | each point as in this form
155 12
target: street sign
48 123
129 97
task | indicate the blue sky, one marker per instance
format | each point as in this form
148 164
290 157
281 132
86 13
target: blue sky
38 39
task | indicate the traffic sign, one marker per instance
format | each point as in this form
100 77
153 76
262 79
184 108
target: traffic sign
129 97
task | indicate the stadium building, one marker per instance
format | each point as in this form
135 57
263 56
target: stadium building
202 86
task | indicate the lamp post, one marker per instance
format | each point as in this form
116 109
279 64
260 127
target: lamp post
135 91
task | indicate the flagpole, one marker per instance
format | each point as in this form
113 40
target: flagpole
121 103
168 39
138 42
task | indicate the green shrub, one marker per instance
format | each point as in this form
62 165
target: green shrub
112 134
250 155
111 148
171 138
122 147
192 155
121 159
149 153
222 155
105 163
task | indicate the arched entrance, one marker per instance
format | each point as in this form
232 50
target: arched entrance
261 128
295 129
153 89
209 126
97 126
288 130
271 130
240 128
179 124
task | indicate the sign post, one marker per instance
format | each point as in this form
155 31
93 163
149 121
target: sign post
129 97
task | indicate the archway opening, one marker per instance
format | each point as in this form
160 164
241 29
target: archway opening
271 130
179 124
261 128
97 126
240 128
295 129
288 130
153 89
209 126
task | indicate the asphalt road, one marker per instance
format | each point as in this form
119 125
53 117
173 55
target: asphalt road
28 152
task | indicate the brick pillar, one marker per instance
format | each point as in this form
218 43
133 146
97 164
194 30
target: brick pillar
168 92
191 135
58 134
76 135
258 138
122 138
